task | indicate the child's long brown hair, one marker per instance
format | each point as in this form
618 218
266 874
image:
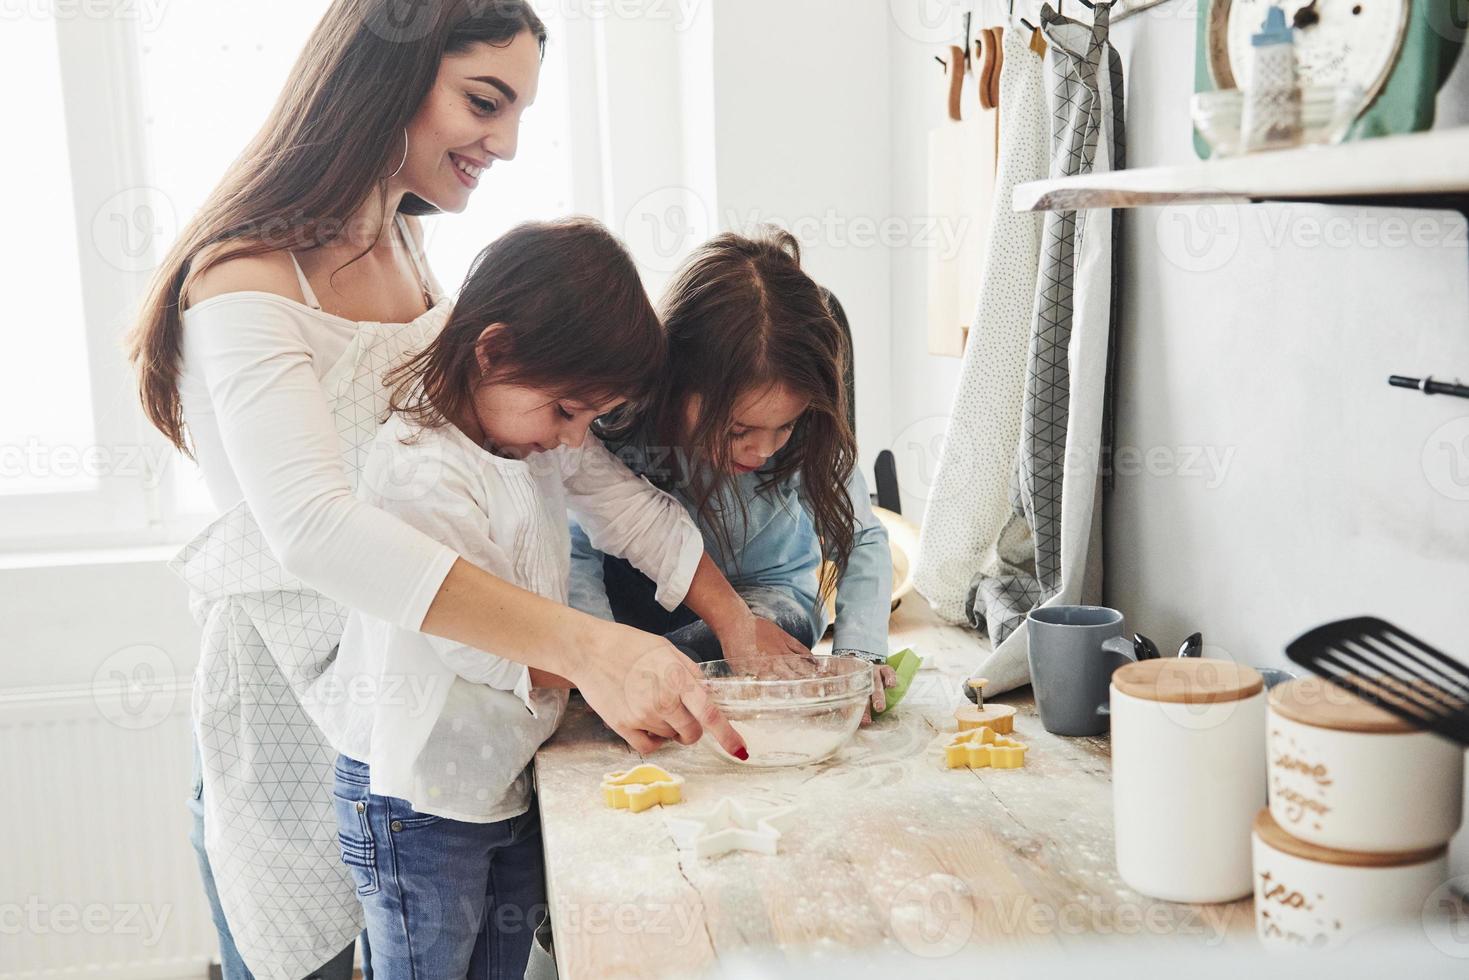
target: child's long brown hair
575 319
741 316
334 135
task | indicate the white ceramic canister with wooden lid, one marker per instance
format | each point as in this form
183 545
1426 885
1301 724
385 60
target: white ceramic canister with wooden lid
1188 776
1313 897
1349 775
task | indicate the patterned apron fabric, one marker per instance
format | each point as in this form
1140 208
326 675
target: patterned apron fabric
270 829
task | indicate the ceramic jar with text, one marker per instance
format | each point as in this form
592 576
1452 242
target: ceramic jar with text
1348 775
1188 776
1313 897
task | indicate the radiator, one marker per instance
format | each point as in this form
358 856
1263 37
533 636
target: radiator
97 878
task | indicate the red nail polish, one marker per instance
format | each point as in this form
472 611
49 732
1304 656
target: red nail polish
742 753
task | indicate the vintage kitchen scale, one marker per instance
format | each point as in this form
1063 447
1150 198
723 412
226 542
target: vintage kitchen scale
1397 52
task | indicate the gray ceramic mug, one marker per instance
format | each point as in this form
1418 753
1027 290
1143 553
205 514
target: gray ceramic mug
1073 651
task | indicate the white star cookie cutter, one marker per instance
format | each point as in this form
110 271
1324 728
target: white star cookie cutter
731 826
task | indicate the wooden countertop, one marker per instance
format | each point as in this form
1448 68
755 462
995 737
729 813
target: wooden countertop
890 851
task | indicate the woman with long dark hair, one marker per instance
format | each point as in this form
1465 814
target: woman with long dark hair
261 349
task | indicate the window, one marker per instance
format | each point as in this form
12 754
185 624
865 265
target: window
46 397
134 117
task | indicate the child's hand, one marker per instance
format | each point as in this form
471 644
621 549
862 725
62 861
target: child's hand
883 677
750 638
763 646
770 639
742 635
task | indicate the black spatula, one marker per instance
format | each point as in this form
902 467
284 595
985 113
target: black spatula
1384 666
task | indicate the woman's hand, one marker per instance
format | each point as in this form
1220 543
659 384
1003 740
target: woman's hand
648 692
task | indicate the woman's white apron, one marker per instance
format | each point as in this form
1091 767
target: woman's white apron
269 827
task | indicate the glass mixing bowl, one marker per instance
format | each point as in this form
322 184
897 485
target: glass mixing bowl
790 710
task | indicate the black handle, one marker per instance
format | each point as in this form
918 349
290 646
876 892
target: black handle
885 469
1428 386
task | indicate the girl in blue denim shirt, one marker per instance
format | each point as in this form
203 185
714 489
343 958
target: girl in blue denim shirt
750 433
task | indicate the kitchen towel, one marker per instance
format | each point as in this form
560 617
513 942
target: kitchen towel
969 501
1050 549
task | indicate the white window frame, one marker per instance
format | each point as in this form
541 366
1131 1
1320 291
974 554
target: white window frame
99 78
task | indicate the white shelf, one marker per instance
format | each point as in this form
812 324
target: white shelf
1429 166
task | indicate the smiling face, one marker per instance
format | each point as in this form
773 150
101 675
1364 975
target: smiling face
760 426
469 119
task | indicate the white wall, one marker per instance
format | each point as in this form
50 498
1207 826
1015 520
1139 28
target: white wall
1342 495
802 103
922 384
66 620
752 112
1320 498
94 743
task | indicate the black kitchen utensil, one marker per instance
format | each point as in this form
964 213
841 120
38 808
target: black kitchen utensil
1145 648
1193 646
1385 666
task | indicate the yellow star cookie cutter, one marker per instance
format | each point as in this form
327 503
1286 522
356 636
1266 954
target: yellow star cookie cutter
981 747
641 787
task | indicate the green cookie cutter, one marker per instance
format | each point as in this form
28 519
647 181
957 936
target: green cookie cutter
905 663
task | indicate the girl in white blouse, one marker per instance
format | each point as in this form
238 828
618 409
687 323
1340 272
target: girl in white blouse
486 450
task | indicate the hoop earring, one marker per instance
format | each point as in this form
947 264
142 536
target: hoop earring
405 155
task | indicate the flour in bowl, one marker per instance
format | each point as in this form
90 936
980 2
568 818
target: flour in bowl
786 741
